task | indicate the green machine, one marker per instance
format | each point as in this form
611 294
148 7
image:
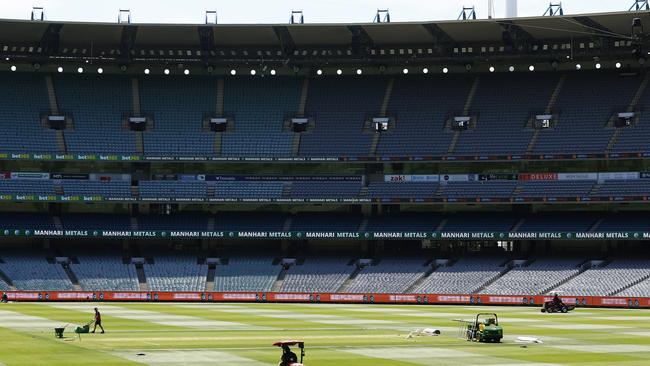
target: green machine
485 328
82 329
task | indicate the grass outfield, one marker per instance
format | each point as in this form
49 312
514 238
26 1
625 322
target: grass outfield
336 335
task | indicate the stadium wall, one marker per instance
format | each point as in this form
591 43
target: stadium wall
281 297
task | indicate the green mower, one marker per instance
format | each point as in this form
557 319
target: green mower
485 328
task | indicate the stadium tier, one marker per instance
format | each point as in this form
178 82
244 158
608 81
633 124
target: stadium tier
250 273
471 162
168 271
387 276
340 111
177 272
455 188
576 225
104 273
318 274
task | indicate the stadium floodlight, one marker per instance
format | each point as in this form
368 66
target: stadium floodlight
445 70
13 67
186 71
233 72
339 72
59 69
146 71
210 17
38 13
618 65
124 16
272 71
166 71
598 65
531 68
405 71
491 69
359 71
253 72
297 17
578 66
425 71
511 68
319 72
80 70
100 70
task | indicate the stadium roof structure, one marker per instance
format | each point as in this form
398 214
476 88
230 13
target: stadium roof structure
303 45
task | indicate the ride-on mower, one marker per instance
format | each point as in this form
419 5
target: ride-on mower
485 328
555 307
288 357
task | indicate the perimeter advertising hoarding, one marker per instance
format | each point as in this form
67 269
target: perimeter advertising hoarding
329 235
305 297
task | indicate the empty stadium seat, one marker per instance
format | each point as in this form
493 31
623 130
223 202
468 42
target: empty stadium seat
246 274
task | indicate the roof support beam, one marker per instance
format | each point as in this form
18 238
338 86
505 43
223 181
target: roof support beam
286 41
127 41
514 35
593 26
441 40
206 39
50 40
361 40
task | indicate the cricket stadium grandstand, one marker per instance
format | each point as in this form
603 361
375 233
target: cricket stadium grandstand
470 162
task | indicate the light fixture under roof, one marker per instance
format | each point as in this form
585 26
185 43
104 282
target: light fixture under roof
80 70
272 71
146 71
491 68
166 71
319 72
100 70
511 68
233 72
253 72
13 67
59 69
598 65
359 71
531 68
339 72
425 71
618 65
186 71
445 70
578 66
405 71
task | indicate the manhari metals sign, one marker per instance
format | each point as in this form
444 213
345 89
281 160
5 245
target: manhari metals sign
330 235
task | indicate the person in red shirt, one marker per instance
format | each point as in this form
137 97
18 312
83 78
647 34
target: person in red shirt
98 321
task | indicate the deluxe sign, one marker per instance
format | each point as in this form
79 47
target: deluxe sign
377 298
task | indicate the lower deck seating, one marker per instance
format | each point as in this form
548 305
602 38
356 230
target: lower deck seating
465 276
607 280
388 276
246 274
641 289
535 278
105 273
317 275
31 271
176 273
